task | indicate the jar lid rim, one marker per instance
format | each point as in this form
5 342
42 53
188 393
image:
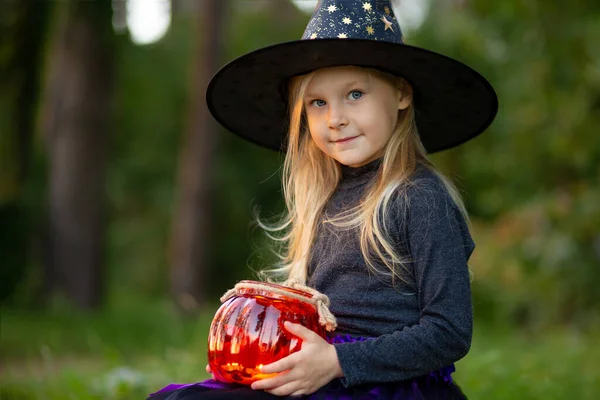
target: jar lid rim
280 287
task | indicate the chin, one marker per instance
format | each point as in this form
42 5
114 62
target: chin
352 162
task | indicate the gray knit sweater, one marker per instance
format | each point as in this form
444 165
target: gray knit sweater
419 325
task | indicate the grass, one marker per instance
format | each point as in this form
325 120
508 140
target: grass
128 351
556 364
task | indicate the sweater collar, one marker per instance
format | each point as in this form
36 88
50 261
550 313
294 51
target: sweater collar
353 177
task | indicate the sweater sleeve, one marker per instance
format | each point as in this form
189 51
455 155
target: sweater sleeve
439 245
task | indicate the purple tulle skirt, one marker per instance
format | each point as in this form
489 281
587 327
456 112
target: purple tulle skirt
433 386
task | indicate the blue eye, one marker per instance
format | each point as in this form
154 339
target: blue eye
319 102
356 94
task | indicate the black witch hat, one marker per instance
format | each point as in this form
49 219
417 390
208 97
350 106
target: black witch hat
453 102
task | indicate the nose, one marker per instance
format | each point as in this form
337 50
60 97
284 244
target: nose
337 116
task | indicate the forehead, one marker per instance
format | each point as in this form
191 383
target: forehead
332 76
348 71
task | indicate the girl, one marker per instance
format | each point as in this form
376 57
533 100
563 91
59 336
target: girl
370 222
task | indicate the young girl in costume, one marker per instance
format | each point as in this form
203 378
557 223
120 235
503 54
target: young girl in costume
370 222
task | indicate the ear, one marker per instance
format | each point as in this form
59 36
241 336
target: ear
405 98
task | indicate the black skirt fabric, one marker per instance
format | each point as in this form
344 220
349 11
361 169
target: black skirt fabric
436 385
423 388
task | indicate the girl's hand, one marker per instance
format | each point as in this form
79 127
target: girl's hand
304 371
208 370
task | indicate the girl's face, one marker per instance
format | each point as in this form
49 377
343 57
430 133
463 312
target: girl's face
351 113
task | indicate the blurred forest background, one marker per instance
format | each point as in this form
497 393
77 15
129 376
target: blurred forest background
125 211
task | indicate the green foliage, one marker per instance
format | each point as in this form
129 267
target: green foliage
151 94
124 352
503 364
545 72
531 180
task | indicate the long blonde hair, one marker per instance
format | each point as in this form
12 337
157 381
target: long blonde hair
310 177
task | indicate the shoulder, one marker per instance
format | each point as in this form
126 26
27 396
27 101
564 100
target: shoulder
425 204
424 192
432 214
425 214
424 183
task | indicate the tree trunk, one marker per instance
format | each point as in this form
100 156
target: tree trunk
75 117
190 236
23 26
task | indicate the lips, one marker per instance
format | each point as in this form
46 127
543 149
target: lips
346 139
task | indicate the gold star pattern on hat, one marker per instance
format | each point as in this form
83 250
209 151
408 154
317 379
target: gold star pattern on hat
313 36
388 24
365 19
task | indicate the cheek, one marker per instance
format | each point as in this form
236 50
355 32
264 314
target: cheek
375 123
316 130
319 141
386 120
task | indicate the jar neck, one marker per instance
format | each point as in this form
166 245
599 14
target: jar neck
273 291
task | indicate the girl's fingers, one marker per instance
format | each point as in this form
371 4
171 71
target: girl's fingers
282 365
272 383
299 330
209 371
286 389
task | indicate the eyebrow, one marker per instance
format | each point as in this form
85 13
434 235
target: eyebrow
350 84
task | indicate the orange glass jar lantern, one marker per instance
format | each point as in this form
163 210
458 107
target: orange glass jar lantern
247 330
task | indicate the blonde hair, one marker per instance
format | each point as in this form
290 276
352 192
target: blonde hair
310 177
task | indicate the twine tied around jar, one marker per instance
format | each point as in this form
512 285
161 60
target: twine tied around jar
318 299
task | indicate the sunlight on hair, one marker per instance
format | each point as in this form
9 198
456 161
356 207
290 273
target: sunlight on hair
148 20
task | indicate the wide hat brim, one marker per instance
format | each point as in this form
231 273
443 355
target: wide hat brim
248 96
